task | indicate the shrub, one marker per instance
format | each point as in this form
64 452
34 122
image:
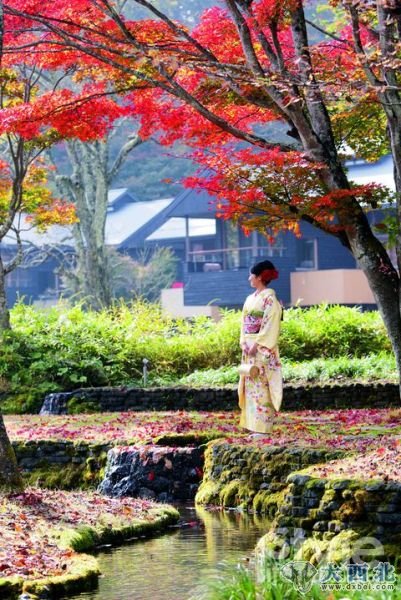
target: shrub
65 348
328 331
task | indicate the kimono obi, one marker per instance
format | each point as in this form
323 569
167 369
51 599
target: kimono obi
252 323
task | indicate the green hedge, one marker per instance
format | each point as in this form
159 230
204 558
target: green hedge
64 348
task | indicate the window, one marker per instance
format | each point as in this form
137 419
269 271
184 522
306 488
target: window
306 257
271 248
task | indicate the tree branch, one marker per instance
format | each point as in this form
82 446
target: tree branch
133 141
13 264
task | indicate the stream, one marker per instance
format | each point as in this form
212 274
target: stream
171 566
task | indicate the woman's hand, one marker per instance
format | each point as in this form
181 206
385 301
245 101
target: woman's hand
252 350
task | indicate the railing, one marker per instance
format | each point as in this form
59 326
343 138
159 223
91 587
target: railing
221 259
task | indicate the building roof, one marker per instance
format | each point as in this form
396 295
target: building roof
131 223
194 203
382 172
115 194
128 219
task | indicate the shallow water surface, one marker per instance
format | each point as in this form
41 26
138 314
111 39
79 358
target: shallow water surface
171 566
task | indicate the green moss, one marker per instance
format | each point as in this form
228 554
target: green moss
186 439
267 503
208 493
86 538
70 477
352 509
229 495
312 550
328 496
10 587
76 406
272 545
82 575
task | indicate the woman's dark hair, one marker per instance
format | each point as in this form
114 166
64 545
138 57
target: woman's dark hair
266 270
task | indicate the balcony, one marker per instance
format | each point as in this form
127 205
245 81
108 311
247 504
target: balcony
229 259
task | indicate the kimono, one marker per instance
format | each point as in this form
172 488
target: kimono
260 397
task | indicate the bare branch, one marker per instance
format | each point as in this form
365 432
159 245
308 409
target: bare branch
133 141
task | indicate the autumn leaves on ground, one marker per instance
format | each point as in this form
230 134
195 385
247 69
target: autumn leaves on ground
31 522
36 524
359 430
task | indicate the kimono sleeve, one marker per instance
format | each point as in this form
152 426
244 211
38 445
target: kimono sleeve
270 327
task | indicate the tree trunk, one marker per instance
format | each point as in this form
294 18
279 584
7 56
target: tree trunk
4 312
10 477
319 143
87 187
383 280
94 276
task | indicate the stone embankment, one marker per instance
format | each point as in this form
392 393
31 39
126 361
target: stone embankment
336 520
296 397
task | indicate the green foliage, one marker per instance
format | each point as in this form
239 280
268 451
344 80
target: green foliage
372 367
65 348
329 331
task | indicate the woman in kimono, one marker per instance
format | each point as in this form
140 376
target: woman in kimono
260 396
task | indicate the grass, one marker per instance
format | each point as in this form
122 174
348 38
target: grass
373 367
240 583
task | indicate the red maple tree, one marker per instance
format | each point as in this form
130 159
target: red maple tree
245 65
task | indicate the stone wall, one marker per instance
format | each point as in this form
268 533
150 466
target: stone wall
253 477
63 464
337 520
107 399
158 472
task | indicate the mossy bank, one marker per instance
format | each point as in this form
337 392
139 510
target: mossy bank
62 532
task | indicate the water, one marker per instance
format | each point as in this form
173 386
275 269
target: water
171 566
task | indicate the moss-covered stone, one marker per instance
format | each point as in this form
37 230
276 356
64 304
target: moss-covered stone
251 477
186 439
78 405
267 502
10 587
339 520
209 493
61 465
